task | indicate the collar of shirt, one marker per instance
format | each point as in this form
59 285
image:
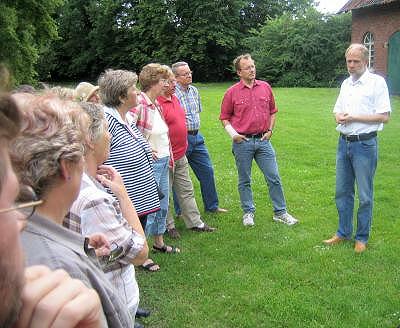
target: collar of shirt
362 80
114 113
56 232
243 86
183 89
162 99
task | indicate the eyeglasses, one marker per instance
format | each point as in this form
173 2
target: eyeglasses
27 201
187 74
248 68
164 81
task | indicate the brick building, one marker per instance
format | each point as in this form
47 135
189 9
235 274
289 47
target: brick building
376 24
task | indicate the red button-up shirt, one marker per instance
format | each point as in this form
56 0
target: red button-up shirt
249 110
175 118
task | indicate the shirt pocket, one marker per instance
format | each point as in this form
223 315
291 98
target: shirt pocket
240 106
263 104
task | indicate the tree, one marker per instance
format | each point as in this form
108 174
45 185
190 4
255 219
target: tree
26 28
301 51
97 34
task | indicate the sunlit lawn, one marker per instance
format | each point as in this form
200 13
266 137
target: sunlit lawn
272 275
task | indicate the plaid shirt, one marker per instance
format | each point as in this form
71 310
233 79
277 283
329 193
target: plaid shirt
96 211
143 116
190 101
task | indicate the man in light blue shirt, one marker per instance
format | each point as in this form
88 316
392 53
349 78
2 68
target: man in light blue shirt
197 153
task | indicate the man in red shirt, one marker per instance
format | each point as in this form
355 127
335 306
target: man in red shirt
248 114
179 177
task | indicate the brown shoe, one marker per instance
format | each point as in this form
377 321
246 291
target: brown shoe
173 233
205 228
333 241
359 247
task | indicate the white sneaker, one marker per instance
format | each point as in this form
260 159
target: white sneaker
248 219
285 218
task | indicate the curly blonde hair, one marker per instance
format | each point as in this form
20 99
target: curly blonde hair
151 74
52 129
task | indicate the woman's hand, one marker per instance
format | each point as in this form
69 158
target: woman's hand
110 178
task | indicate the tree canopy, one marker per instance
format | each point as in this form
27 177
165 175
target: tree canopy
26 28
77 39
302 51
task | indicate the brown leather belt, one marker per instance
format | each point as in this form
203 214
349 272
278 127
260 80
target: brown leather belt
193 132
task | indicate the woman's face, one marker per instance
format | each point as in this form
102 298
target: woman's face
131 97
158 88
95 98
102 145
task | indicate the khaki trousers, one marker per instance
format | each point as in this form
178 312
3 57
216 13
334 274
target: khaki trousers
179 180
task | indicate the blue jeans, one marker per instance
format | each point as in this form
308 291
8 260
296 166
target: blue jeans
156 222
355 163
264 155
200 162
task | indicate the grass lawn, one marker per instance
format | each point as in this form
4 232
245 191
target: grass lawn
272 275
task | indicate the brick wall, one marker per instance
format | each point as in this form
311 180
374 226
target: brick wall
382 22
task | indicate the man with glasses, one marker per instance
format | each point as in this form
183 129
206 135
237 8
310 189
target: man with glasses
35 296
248 114
196 153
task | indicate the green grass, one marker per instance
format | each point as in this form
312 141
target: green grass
273 275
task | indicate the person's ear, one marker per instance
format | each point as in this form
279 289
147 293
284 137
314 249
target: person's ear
66 170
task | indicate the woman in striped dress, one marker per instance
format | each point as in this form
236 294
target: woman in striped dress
130 154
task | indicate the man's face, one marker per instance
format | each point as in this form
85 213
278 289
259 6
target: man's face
247 71
11 256
356 64
184 75
170 88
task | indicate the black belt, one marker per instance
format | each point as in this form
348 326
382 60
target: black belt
254 136
193 132
359 137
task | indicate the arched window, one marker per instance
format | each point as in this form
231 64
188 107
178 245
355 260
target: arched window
369 43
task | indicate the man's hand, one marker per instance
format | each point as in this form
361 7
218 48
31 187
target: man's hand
238 138
344 118
54 299
100 244
267 135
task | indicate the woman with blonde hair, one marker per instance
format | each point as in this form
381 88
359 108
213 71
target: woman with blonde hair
150 121
48 156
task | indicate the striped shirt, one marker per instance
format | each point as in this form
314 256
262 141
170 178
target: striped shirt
131 156
97 211
190 101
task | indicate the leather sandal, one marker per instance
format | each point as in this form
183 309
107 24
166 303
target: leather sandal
166 249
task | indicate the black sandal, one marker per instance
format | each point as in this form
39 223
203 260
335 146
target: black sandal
164 249
150 265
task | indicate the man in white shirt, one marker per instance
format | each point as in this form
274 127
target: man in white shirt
363 106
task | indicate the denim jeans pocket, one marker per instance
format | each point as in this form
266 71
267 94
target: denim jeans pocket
370 143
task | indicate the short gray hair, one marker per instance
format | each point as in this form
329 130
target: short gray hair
236 61
96 119
115 84
360 47
177 65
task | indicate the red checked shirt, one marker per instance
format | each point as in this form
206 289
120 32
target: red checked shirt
175 117
249 110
